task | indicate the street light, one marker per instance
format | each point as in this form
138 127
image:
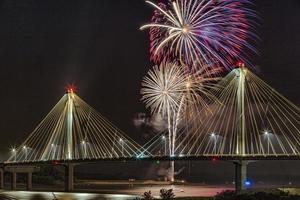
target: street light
268 134
165 143
214 137
54 148
83 142
25 149
122 146
14 153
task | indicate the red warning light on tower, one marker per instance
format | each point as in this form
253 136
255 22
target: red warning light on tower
71 88
240 64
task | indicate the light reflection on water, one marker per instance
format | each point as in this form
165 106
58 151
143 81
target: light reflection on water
122 192
22 195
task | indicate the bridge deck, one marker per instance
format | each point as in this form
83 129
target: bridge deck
166 158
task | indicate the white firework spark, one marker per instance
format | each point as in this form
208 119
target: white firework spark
176 94
163 88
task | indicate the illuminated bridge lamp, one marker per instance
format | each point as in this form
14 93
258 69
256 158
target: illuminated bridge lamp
266 132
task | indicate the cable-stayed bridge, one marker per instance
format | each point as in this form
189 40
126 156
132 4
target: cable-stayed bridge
248 120
73 130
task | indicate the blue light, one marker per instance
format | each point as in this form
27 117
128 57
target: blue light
248 183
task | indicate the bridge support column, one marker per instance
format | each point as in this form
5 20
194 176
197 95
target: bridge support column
29 181
1 178
69 177
26 169
240 175
14 180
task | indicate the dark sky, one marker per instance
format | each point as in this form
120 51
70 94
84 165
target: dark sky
97 45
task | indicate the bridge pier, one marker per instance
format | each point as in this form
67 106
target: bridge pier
69 177
1 178
240 175
13 180
14 170
29 181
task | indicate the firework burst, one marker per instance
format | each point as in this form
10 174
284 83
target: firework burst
163 87
178 95
202 31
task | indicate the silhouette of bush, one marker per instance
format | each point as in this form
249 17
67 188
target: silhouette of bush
166 194
147 196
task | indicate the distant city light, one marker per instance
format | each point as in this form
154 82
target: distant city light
248 183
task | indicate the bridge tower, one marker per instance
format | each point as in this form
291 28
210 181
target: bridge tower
240 165
240 145
69 132
69 167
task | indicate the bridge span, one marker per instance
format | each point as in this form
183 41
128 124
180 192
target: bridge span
248 121
31 167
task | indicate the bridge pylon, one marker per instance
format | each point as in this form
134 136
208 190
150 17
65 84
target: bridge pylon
240 166
69 115
240 138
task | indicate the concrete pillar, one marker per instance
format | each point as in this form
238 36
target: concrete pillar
1 179
14 180
69 177
240 175
29 181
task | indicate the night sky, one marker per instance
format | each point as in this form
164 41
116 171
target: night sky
97 45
